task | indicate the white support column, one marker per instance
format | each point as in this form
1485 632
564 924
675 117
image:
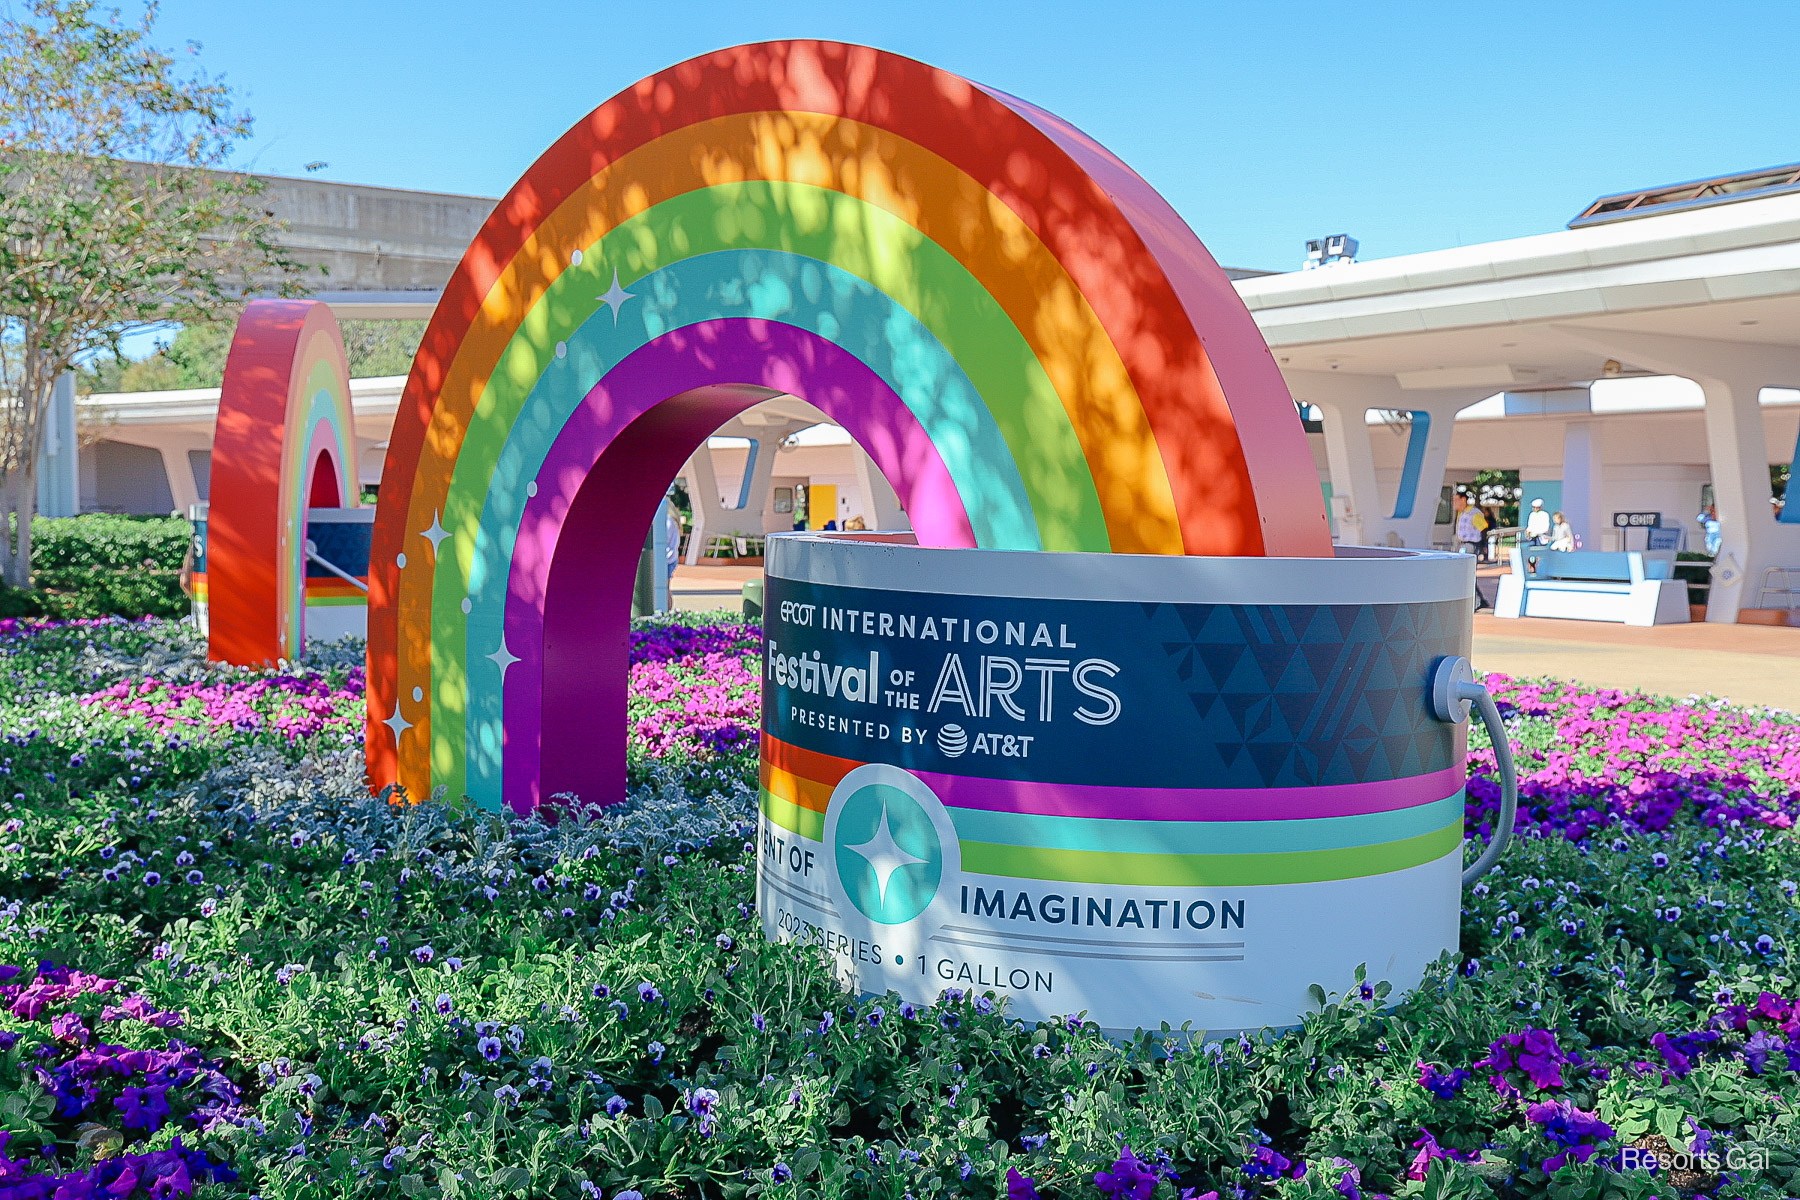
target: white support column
1424 474
1581 503
59 463
1364 516
883 505
753 495
1751 541
1351 461
1732 376
180 470
703 493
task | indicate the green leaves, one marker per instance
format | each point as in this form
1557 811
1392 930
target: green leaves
24 1109
1672 1124
115 211
946 1105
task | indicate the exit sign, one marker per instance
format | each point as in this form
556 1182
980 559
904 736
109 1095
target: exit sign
1636 520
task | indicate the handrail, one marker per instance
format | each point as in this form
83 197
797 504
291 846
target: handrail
312 555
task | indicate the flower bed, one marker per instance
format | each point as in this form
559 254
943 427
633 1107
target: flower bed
231 971
695 701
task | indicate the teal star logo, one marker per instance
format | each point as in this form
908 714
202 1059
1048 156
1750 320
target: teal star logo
888 855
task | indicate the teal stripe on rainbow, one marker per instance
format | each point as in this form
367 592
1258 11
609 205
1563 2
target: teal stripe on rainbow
1205 837
766 285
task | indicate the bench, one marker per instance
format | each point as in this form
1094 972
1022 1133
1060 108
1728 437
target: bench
1633 587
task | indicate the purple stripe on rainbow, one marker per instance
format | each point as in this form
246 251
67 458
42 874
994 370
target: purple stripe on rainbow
710 354
1192 804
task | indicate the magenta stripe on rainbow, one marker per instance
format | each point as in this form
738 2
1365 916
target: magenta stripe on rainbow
1192 804
710 354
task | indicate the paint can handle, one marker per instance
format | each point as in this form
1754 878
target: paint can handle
1454 691
312 555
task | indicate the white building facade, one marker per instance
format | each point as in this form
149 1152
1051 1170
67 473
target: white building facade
1632 364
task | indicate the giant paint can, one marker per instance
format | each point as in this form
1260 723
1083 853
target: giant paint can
1148 788
335 607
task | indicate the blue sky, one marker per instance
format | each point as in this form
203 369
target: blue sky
1409 126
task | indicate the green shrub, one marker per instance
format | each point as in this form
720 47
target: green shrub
98 593
20 602
109 541
104 564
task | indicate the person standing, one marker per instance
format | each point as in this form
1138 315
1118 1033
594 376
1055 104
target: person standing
1537 525
1471 526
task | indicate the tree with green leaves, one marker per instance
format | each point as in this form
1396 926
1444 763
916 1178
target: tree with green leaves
195 357
116 212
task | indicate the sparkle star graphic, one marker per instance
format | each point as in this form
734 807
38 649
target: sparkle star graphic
397 723
615 297
883 855
503 658
436 533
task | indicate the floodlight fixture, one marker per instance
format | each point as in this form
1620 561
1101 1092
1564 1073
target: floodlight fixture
1327 251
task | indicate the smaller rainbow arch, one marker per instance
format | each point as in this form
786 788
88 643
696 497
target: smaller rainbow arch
285 442
1032 345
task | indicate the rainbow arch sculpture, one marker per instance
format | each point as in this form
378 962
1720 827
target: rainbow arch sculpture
284 443
1033 347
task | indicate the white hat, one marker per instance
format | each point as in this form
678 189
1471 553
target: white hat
1538 503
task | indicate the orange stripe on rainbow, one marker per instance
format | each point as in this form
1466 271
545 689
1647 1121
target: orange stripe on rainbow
799 776
1140 438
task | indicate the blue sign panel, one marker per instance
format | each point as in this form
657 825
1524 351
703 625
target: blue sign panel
1161 695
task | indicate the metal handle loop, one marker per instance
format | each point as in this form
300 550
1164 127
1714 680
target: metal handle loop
312 555
1453 692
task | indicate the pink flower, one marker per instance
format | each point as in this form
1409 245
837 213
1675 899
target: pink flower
1428 1150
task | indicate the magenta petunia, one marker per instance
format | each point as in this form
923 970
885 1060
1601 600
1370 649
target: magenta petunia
1533 1053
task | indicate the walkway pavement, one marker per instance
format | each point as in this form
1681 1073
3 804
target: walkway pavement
1743 663
699 588
1747 664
